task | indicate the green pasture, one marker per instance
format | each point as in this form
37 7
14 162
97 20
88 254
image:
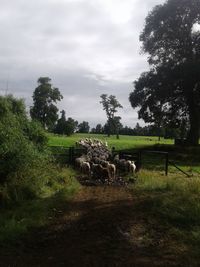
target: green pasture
124 142
188 159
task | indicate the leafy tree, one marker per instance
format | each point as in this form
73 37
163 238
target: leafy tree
9 104
110 105
138 129
64 126
117 125
127 131
99 129
170 92
84 127
44 98
93 130
23 143
61 124
71 126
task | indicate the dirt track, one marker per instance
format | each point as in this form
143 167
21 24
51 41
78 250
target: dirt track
99 227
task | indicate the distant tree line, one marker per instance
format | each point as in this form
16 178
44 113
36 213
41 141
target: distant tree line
44 110
150 130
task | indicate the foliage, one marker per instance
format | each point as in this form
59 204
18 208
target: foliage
44 98
61 124
35 133
99 129
9 104
84 127
64 126
25 162
71 126
31 185
16 221
110 105
170 92
113 127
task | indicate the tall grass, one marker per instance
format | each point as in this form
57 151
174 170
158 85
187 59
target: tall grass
174 202
17 220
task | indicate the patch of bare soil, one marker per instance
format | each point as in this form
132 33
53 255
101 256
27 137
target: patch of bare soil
99 227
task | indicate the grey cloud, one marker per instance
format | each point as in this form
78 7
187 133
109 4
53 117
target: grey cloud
87 47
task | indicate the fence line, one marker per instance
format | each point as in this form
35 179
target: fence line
166 154
68 154
172 163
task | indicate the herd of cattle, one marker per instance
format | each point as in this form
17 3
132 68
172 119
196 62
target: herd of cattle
99 163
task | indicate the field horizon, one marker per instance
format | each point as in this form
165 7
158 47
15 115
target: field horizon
124 141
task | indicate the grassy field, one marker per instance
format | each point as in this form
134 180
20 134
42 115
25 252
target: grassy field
124 142
185 158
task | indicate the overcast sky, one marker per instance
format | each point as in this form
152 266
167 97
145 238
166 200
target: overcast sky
87 48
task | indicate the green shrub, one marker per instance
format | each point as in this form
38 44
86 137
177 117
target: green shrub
26 165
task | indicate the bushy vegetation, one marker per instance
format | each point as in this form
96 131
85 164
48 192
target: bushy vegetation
26 166
32 186
18 220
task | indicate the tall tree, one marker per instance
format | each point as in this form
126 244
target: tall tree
83 127
44 99
111 105
117 125
64 126
99 129
71 126
172 40
61 124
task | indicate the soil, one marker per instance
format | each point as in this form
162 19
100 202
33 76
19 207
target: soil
98 227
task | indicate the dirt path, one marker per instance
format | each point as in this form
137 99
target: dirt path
97 228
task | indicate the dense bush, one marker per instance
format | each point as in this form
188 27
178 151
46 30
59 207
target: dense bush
25 163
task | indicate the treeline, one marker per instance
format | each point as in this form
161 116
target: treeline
150 130
70 126
44 110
